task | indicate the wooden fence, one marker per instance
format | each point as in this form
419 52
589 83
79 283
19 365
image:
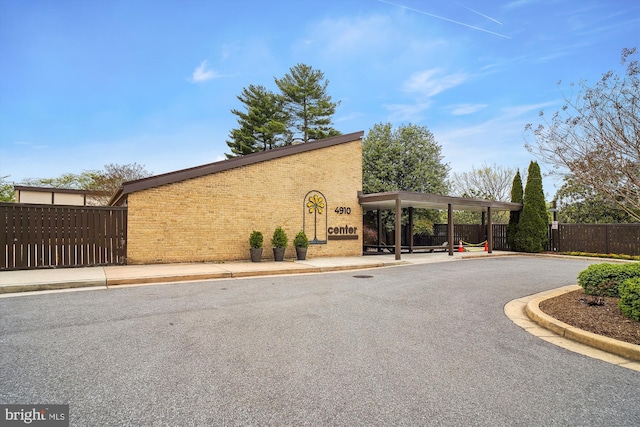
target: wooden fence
599 238
594 238
470 233
40 236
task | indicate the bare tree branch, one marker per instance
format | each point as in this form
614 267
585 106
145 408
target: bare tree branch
487 182
596 136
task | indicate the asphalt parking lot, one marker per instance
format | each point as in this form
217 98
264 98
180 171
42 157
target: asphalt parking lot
409 345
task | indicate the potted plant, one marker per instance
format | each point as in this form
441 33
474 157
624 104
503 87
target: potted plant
279 242
256 240
301 242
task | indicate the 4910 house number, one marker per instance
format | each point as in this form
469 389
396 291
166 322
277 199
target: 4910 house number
345 232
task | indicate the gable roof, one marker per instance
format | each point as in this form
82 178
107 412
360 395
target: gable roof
181 175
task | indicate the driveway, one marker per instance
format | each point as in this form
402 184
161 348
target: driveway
411 345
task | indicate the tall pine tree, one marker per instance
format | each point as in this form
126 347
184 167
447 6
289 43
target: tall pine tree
514 216
307 103
531 235
262 126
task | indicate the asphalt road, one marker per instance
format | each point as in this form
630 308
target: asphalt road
424 345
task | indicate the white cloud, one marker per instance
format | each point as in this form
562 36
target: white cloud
348 117
202 74
407 112
432 82
463 109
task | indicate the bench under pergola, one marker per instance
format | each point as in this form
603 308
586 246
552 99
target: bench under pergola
397 200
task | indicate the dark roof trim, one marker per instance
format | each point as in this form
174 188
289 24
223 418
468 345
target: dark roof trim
52 190
211 168
431 201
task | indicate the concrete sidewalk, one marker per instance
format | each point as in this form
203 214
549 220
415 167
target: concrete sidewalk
62 278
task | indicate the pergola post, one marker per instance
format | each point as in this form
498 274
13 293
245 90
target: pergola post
398 228
483 228
410 230
489 231
450 228
379 217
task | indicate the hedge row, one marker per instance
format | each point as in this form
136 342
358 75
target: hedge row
605 279
630 298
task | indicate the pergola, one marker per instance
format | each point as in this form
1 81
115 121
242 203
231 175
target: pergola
397 200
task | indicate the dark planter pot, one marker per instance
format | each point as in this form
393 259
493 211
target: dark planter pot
278 254
256 254
301 253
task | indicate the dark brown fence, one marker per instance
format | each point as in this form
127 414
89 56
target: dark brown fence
599 238
37 236
593 238
469 233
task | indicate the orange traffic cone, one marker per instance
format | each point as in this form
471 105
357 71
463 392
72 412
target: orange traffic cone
486 246
460 248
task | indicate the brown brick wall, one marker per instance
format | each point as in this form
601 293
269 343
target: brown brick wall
210 218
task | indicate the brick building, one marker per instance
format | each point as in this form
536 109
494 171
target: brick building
207 213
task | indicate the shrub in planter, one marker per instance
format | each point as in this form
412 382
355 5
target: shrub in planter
256 241
279 242
630 298
604 279
301 242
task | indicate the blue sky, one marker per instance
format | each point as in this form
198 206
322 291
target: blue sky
91 82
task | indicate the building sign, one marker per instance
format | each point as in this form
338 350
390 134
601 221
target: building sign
315 223
346 232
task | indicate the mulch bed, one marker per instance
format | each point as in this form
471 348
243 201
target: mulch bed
574 308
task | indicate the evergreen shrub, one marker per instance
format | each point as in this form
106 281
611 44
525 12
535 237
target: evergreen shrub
301 240
279 239
604 279
630 298
517 196
531 232
256 239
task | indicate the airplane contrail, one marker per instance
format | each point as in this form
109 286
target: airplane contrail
481 14
445 19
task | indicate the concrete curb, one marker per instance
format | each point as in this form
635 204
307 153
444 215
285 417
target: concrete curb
21 281
610 345
166 279
11 289
241 274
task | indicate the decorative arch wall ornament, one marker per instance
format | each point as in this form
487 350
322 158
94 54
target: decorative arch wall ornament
314 217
